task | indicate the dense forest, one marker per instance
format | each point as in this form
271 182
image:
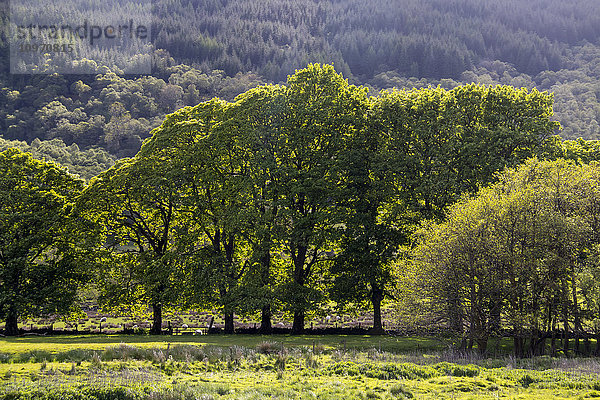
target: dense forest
220 48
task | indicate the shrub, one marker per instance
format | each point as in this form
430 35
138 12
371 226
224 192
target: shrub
74 355
384 371
526 380
457 370
268 347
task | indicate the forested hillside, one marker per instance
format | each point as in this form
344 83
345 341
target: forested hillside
220 48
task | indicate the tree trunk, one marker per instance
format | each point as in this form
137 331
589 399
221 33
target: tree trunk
299 278
298 326
157 319
376 299
265 262
229 323
566 341
456 318
533 338
495 321
519 343
12 327
265 322
576 320
482 344
587 346
541 347
565 332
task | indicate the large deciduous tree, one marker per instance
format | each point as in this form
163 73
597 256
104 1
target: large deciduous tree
258 115
371 217
445 143
39 266
135 207
412 156
319 117
200 150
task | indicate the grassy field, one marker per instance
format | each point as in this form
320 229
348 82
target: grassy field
329 342
106 367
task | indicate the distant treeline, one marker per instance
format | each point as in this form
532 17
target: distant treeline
433 39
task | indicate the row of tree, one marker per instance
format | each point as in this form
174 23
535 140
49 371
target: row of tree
283 199
205 49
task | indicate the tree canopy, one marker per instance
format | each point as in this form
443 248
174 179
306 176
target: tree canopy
521 253
40 268
294 195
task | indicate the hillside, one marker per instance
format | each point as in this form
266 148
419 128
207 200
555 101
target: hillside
208 48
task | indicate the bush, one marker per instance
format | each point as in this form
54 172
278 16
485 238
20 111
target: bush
526 380
457 370
387 371
268 348
74 355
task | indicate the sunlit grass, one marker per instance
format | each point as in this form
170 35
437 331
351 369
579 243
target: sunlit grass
278 367
100 342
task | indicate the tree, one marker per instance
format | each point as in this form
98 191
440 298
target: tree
200 150
412 157
319 116
371 217
445 143
39 267
134 207
258 115
513 253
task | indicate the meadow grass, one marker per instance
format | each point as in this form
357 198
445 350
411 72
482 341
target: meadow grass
100 342
277 367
